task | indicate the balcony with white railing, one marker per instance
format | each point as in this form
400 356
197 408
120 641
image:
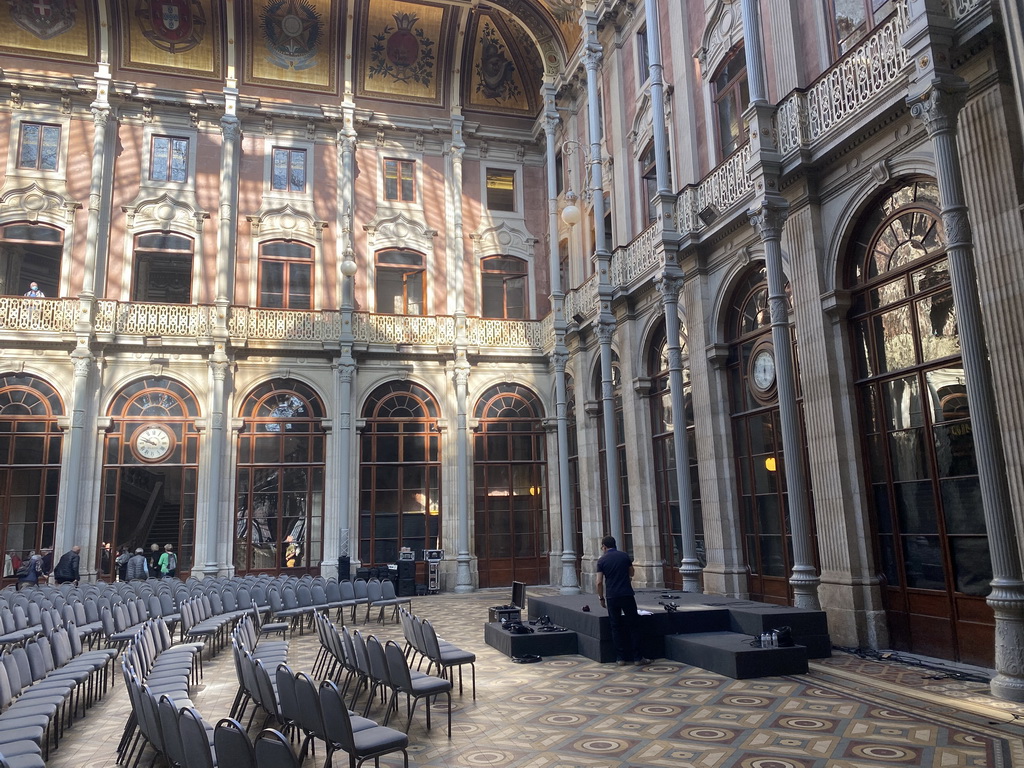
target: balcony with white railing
152 320
265 327
25 314
635 260
718 192
404 330
584 301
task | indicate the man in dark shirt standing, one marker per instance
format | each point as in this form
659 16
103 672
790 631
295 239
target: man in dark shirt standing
614 571
67 567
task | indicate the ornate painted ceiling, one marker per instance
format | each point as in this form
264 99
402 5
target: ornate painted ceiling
486 56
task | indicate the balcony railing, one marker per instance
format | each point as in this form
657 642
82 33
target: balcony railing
583 301
411 330
254 324
636 259
20 314
137 319
506 334
719 191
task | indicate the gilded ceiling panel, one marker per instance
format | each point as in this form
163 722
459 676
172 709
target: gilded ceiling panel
59 29
293 43
172 36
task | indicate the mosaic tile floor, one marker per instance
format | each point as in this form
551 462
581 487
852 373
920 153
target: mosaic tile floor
571 712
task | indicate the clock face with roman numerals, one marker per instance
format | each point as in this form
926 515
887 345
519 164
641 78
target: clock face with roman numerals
762 370
153 442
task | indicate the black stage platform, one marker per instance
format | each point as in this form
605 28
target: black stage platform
721 630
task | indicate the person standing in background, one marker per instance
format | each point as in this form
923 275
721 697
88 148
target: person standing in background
33 291
67 567
614 572
138 567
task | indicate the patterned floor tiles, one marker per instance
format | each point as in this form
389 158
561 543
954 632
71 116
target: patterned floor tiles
570 712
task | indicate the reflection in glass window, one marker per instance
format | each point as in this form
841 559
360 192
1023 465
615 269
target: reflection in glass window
168 159
289 170
503 287
400 282
731 97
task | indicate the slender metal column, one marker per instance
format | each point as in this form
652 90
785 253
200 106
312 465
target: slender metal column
690 567
657 80
768 220
218 448
938 108
602 259
463 576
67 532
346 368
560 354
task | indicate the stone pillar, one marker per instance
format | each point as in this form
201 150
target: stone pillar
345 372
75 453
938 107
227 232
690 568
656 69
754 52
768 220
603 260
559 353
218 447
463 575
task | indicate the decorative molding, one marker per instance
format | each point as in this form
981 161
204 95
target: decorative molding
722 32
505 240
36 202
289 222
400 230
164 212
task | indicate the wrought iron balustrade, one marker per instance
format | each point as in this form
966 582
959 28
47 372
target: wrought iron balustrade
141 319
717 192
413 330
258 324
505 334
18 313
584 301
636 259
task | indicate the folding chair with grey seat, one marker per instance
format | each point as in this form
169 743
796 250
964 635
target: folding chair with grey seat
58 698
386 599
445 656
348 600
273 750
267 627
174 749
232 745
31 720
285 679
380 678
415 685
362 744
332 591
197 740
21 761
359 587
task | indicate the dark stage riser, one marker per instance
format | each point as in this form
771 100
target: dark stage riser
696 613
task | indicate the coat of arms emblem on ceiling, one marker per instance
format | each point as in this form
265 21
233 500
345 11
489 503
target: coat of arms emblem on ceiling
293 32
403 52
43 18
174 26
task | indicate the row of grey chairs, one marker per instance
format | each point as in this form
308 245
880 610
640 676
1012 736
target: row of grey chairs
423 644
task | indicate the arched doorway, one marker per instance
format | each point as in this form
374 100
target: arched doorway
30 463
279 487
757 442
150 472
925 497
663 425
400 503
509 480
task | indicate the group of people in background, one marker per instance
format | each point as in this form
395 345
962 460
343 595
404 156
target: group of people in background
38 567
158 564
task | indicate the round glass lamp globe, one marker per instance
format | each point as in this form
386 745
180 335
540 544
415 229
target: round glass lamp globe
349 267
571 215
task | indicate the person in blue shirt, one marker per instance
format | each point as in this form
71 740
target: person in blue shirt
614 588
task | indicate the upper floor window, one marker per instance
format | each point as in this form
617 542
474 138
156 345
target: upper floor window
400 180
643 59
163 268
503 287
286 275
289 170
400 282
850 21
169 159
501 190
31 256
40 147
731 98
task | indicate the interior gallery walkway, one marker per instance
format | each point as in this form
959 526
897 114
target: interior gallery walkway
847 712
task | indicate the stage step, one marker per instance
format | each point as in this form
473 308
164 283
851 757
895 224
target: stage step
535 643
735 655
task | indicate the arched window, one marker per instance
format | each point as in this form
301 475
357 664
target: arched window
731 96
30 465
918 441
163 268
503 287
757 441
663 426
400 501
509 472
279 490
286 275
150 471
30 253
400 283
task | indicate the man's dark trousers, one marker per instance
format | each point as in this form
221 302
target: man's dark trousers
625 626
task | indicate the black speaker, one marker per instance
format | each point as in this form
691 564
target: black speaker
363 573
406 569
344 568
406 588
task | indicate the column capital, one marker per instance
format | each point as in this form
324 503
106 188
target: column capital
669 286
100 113
230 127
592 58
560 359
605 330
219 368
938 107
770 217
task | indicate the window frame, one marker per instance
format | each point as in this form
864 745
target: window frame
171 139
405 270
42 126
516 202
287 261
730 91
643 59
505 279
291 151
839 47
401 163
160 255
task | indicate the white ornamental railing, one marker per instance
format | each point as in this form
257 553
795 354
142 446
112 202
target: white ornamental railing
138 319
284 324
583 301
957 9
842 92
403 329
507 334
636 259
719 191
22 314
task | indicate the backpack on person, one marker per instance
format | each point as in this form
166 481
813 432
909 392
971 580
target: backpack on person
172 562
23 568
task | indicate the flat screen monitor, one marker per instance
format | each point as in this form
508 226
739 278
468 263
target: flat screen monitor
518 594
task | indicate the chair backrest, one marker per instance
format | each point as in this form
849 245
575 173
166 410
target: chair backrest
378 663
273 750
348 592
311 718
374 591
167 711
332 590
286 694
319 594
267 696
304 595
388 589
196 743
232 744
337 722
398 667
359 586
